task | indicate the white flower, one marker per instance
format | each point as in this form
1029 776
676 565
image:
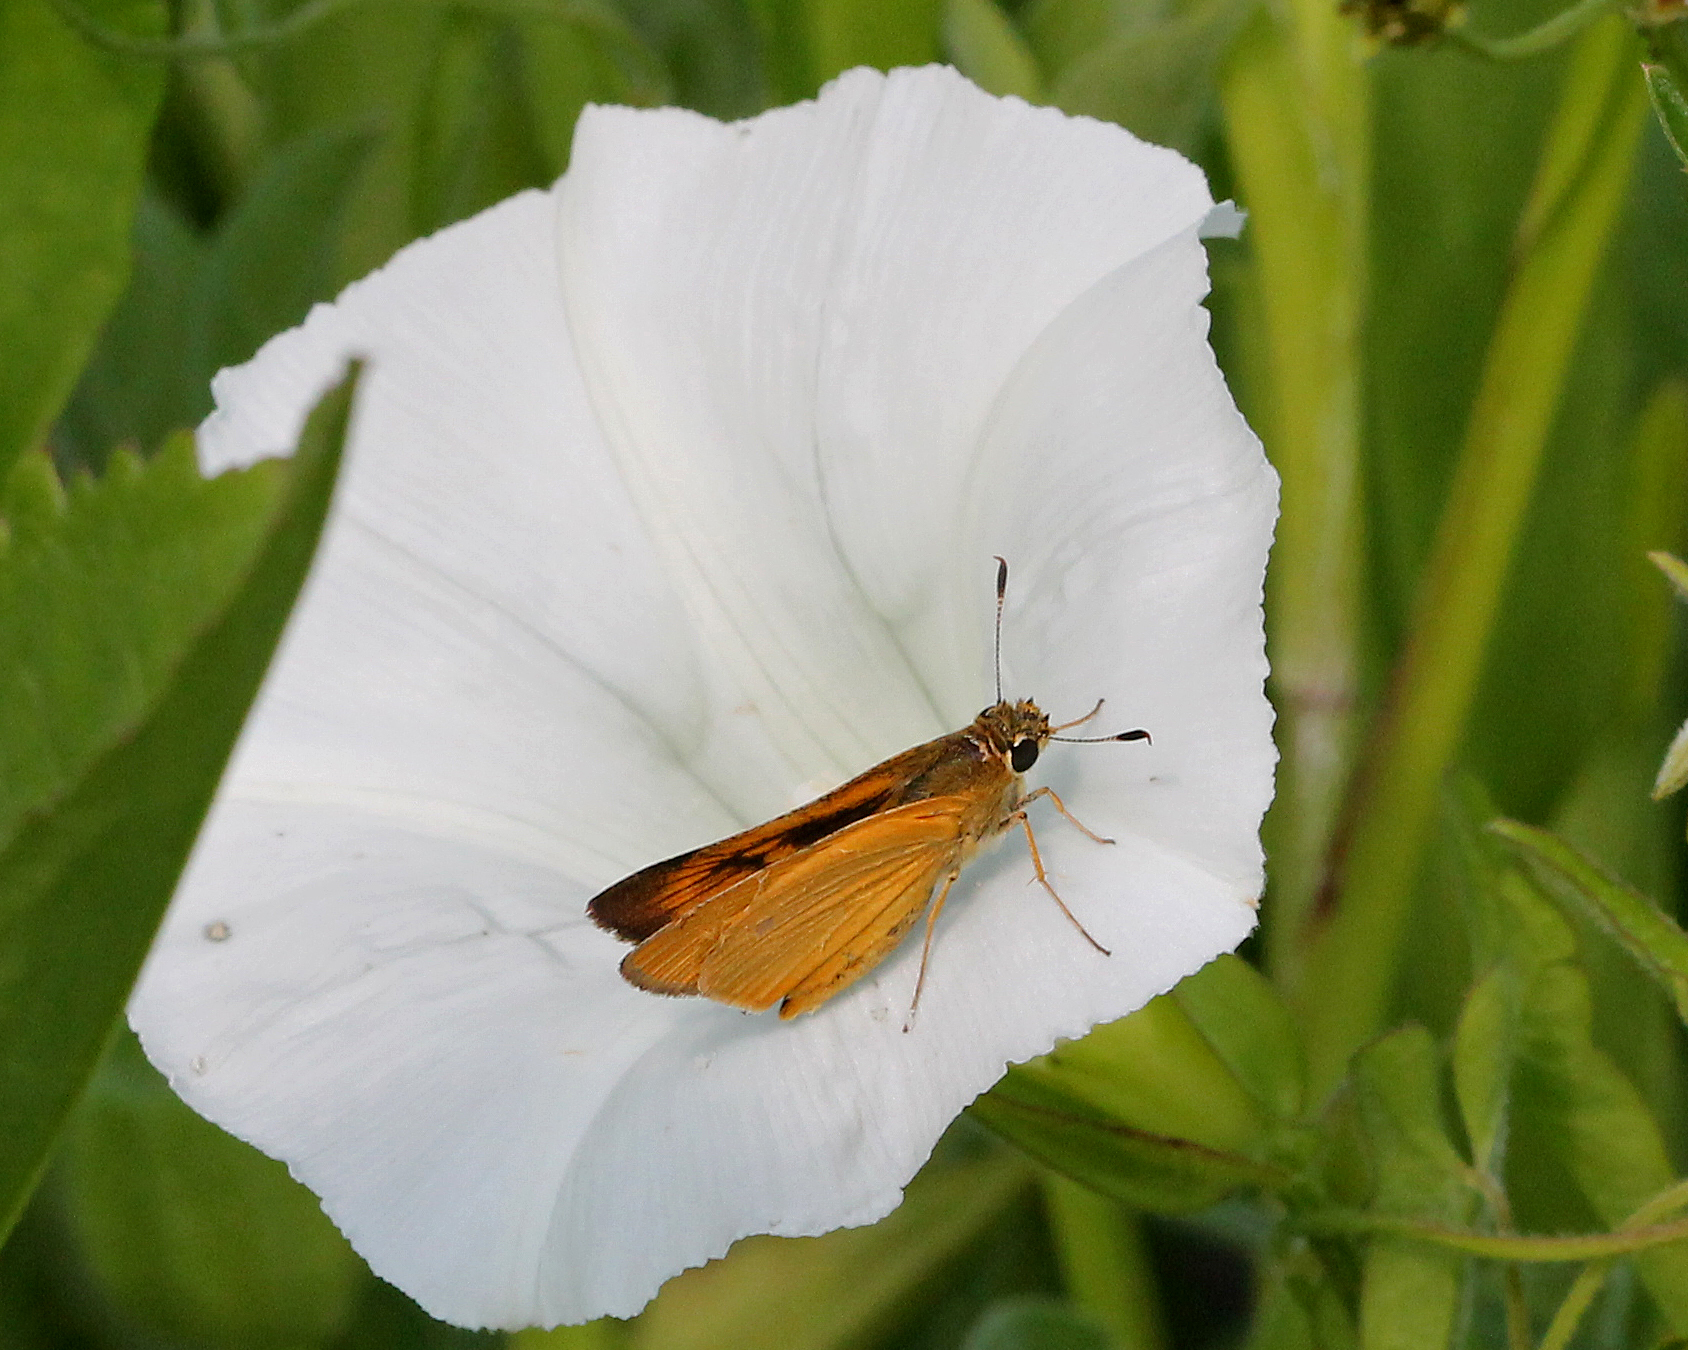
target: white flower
671 501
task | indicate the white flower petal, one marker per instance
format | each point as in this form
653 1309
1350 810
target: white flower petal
794 330
672 493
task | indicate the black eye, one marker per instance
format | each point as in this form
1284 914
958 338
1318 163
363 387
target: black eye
1023 755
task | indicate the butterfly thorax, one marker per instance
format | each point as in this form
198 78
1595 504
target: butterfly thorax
982 763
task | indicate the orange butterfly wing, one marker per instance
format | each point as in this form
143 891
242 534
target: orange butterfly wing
808 926
656 896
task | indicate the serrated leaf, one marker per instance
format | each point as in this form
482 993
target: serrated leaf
74 124
191 1234
133 637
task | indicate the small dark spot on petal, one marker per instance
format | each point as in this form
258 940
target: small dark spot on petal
217 931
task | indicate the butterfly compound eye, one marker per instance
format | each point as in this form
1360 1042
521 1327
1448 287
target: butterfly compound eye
1023 755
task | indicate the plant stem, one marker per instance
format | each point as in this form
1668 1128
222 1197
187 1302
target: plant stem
1297 118
1573 210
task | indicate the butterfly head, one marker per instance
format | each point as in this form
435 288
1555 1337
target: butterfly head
1015 731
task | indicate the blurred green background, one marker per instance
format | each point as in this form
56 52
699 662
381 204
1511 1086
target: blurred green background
1459 320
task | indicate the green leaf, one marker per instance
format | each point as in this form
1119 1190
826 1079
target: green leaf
1037 1111
1417 1170
1104 1261
478 144
1673 771
1299 1308
198 303
1155 1071
1644 930
191 1234
1577 1104
274 256
987 48
74 124
1410 1294
1485 1044
143 382
134 631
839 1290
1060 32
1036 1324
1239 1013
367 65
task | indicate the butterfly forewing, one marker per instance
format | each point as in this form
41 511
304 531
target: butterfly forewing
663 893
818 919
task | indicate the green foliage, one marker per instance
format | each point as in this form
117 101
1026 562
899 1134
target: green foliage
73 139
137 615
1036 1324
1445 1107
838 1290
159 1203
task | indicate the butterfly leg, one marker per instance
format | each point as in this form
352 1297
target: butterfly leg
926 947
1043 877
1060 806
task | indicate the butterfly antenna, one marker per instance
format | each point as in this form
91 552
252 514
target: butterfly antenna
1138 735
1001 591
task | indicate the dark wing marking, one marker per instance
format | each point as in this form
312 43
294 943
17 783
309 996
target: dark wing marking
641 904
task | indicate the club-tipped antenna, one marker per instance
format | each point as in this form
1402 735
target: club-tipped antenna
1001 591
1138 735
